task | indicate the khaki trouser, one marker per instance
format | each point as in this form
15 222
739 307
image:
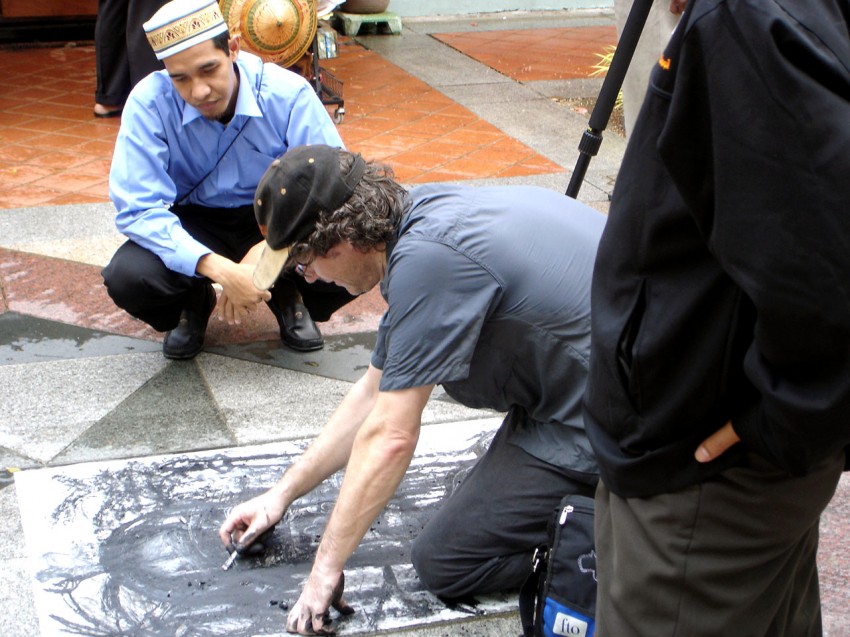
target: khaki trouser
734 556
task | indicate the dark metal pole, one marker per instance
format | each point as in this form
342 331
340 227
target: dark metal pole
591 140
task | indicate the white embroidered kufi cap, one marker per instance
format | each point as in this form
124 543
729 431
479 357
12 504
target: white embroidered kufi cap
181 24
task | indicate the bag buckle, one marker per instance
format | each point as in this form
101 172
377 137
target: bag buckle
541 553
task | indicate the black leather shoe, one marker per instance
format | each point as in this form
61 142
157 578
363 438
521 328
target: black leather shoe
187 339
297 329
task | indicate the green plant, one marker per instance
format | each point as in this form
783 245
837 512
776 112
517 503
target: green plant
601 68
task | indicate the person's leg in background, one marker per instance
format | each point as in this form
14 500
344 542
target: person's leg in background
142 60
483 537
112 65
122 53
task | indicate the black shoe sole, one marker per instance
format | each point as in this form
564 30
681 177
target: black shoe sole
303 348
181 357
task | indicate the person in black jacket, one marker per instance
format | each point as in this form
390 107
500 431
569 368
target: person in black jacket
718 398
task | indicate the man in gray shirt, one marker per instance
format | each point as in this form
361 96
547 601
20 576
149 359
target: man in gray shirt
488 293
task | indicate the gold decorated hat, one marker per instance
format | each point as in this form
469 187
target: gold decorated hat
181 24
279 31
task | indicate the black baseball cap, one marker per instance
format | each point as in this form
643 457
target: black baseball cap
295 188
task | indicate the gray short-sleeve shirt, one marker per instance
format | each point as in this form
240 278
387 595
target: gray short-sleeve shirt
488 293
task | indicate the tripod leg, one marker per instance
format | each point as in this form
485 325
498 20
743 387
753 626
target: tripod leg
592 138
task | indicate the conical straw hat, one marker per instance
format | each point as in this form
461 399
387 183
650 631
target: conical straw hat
279 31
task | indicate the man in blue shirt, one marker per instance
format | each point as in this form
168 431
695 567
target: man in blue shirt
488 293
194 141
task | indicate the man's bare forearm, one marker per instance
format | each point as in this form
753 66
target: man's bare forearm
380 456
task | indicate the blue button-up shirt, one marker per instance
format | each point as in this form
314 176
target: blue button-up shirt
167 152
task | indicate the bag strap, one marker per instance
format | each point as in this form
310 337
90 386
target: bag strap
184 200
528 594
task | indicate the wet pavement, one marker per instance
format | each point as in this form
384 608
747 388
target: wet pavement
81 382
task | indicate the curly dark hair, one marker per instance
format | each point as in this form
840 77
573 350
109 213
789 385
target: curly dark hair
369 218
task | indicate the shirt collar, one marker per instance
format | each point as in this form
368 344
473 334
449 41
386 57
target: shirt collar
402 223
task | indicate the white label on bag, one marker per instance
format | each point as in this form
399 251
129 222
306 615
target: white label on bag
569 626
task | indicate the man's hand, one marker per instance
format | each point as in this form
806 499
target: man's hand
381 451
310 614
717 443
246 522
239 296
